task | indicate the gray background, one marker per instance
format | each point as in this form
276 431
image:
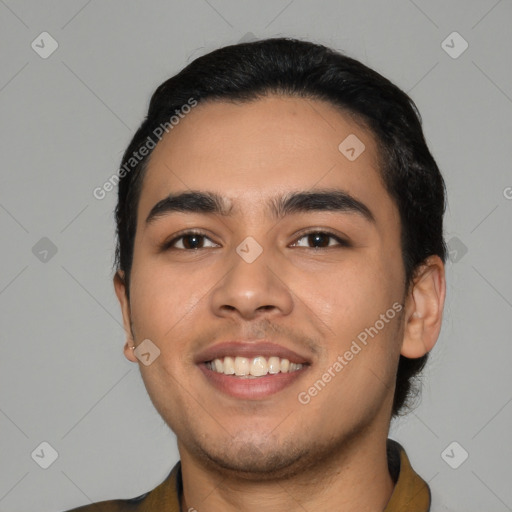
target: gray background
65 121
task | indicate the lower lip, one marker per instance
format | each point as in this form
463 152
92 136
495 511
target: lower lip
251 389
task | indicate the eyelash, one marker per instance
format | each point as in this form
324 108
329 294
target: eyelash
169 245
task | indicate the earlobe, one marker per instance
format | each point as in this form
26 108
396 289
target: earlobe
120 289
424 309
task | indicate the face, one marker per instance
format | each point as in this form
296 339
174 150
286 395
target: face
310 280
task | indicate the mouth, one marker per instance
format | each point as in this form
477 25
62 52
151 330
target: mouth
251 371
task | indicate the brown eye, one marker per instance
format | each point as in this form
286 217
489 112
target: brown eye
188 241
320 240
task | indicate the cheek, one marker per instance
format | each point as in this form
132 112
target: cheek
162 298
349 300
351 295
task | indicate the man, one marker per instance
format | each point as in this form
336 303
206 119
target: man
280 270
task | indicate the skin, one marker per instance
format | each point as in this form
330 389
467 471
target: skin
276 453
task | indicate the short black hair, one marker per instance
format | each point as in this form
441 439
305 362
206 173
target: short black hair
284 66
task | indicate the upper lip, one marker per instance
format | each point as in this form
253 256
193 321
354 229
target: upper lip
249 349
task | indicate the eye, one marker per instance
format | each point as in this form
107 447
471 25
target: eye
194 240
190 240
321 240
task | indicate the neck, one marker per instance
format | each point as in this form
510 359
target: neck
355 478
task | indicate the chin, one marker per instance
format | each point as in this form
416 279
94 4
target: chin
251 456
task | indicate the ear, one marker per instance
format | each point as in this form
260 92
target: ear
424 308
120 288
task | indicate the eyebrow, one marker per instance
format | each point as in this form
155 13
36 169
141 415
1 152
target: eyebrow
206 202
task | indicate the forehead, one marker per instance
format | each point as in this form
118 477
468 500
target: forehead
246 151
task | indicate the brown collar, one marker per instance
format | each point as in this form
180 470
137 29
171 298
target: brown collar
411 492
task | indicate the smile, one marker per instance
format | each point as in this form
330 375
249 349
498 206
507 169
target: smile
234 376
255 367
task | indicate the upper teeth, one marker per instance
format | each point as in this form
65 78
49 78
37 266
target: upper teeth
257 366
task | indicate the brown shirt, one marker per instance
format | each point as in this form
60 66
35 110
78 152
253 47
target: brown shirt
411 492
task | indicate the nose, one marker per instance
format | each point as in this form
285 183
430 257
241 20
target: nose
250 290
